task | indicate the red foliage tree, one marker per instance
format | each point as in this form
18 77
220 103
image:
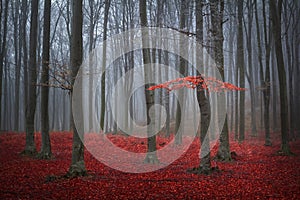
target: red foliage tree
208 83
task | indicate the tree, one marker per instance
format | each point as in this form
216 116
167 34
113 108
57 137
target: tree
249 73
3 51
151 156
240 64
276 10
17 59
216 10
106 9
46 145
182 70
30 148
77 167
203 102
265 78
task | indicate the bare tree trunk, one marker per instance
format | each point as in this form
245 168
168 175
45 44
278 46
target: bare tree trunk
3 53
17 56
205 161
182 70
25 53
106 9
77 167
276 29
217 10
45 152
240 64
30 148
265 80
151 156
250 68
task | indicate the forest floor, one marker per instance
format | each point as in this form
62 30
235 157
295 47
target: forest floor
257 172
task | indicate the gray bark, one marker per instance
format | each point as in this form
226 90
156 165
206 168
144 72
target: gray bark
45 152
2 54
151 156
77 167
30 148
276 10
240 65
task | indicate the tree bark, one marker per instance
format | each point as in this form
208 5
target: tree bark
77 167
240 64
217 9
151 156
250 76
30 148
265 80
106 9
276 29
182 70
45 152
2 54
203 102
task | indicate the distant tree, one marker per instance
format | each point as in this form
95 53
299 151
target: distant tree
30 148
17 59
251 67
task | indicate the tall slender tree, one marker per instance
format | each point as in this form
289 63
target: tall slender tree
240 65
3 51
184 5
205 162
276 11
77 167
151 156
217 11
106 10
30 148
46 145
265 78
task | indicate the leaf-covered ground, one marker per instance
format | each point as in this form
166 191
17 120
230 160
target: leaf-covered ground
257 173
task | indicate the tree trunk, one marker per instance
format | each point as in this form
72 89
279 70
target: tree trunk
182 70
151 156
217 9
77 167
45 152
30 148
25 54
265 80
250 68
106 9
240 65
17 56
276 29
203 102
2 54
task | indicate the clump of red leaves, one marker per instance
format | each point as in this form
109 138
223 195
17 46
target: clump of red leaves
208 83
257 173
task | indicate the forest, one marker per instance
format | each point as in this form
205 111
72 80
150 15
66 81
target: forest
149 99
